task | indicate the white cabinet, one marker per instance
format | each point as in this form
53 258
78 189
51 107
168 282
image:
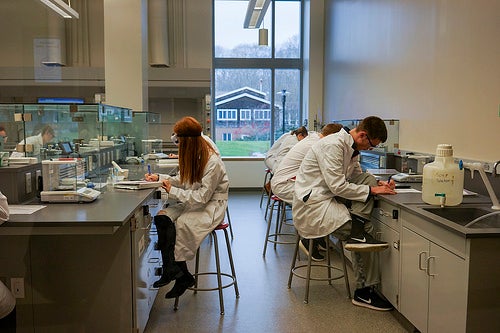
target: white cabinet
433 284
387 227
440 279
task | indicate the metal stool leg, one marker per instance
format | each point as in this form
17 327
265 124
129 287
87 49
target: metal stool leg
219 276
344 266
264 191
229 222
309 268
231 263
218 272
269 220
294 269
268 203
294 260
280 220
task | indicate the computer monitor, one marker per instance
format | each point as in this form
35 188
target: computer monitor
66 148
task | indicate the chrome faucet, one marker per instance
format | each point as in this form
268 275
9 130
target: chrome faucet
476 166
495 174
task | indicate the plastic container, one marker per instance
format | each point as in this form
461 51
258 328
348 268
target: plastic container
443 179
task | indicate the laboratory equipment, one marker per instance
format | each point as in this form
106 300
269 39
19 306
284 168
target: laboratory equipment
64 181
443 179
152 146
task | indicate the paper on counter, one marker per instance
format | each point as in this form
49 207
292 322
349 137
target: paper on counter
467 192
24 209
407 190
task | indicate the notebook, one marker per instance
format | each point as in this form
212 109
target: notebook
136 184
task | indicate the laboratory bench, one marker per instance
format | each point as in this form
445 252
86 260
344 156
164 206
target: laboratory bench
439 274
86 267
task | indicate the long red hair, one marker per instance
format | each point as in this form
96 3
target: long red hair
194 150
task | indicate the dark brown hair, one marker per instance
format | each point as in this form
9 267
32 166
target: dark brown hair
330 129
301 130
374 127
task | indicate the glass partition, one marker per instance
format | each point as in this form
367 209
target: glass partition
99 133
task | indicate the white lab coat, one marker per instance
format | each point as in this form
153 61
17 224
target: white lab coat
274 150
4 208
323 175
285 147
36 141
7 300
212 143
199 209
283 181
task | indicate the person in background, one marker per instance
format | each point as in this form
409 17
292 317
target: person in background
283 180
3 134
201 191
279 149
3 137
283 145
38 141
333 195
7 300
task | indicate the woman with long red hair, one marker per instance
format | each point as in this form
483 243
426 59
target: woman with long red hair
200 189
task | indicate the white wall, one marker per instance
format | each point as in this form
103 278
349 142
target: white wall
432 64
245 173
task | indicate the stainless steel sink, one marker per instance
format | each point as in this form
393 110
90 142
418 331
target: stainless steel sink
464 215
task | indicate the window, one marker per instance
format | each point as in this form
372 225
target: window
256 90
264 114
223 114
245 114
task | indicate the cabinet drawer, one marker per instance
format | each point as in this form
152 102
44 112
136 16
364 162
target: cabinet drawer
388 214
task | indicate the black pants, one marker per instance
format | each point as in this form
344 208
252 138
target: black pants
8 323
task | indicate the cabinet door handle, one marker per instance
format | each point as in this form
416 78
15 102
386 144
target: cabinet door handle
420 261
429 265
384 213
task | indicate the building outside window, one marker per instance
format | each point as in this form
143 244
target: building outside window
257 89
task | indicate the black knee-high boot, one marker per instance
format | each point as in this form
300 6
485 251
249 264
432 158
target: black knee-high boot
181 283
166 243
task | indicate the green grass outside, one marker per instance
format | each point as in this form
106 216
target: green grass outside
243 148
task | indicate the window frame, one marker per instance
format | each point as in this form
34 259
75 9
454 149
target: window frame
272 64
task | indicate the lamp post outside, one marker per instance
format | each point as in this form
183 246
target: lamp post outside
283 94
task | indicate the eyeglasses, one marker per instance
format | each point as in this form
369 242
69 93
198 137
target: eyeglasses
174 139
370 142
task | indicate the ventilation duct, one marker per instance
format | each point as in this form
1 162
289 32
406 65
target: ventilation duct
54 54
158 33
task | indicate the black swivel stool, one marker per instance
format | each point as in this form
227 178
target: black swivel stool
294 269
231 277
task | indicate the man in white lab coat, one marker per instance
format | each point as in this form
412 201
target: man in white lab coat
7 300
38 141
284 143
329 181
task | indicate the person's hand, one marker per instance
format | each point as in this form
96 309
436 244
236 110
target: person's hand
383 189
166 185
151 177
391 183
173 155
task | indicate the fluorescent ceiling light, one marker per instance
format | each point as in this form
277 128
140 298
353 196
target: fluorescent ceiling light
61 8
255 13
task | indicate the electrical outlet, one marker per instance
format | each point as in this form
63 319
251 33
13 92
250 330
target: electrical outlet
28 182
17 287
